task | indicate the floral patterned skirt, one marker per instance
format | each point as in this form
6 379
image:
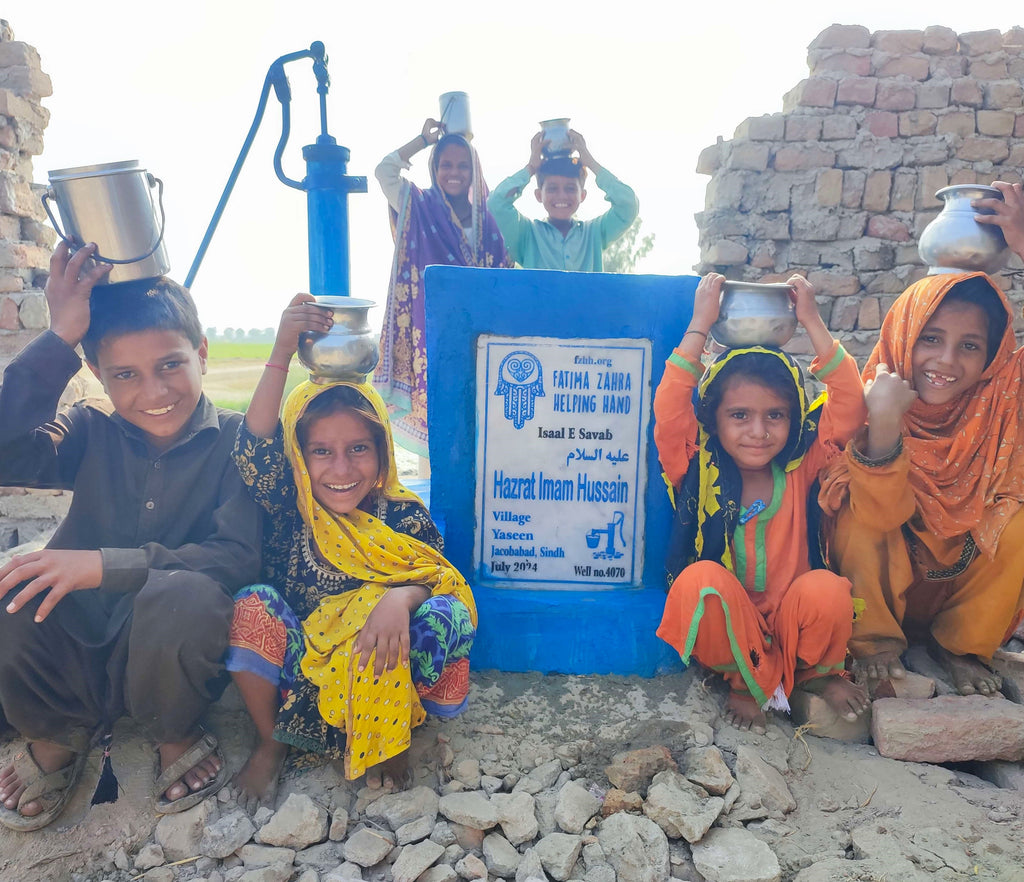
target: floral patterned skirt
266 639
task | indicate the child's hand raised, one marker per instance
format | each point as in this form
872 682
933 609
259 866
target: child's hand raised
888 395
803 300
299 316
706 302
537 144
68 289
580 145
1009 214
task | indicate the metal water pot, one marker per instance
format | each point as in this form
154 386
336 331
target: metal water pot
112 204
349 350
455 118
955 242
755 314
556 133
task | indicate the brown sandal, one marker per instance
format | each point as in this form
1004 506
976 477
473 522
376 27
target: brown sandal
206 746
51 789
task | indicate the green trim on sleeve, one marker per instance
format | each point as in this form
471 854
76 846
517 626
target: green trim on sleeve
681 362
832 364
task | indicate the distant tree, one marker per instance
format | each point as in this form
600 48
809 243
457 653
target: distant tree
229 333
268 333
254 333
625 253
211 333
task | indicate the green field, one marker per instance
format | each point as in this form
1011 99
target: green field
240 349
234 367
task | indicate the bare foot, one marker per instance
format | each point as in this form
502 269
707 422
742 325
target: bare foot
393 774
882 666
846 698
970 675
257 780
49 757
743 712
195 778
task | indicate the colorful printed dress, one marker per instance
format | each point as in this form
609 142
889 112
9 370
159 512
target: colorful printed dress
299 633
426 231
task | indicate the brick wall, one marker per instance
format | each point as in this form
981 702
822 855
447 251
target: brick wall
26 240
840 184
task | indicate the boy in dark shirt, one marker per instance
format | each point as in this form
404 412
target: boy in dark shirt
128 608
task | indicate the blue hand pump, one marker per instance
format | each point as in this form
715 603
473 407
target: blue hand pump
326 183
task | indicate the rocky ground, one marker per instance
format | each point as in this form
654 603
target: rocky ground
563 778
598 779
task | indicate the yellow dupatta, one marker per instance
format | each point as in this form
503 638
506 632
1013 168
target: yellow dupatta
376 713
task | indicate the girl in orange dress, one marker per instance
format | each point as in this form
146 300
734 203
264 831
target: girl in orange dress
927 517
750 597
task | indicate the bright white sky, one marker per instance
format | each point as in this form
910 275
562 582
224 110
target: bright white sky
649 83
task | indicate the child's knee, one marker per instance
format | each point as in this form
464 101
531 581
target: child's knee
700 575
823 593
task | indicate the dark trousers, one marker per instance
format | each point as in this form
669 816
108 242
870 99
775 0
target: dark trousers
156 655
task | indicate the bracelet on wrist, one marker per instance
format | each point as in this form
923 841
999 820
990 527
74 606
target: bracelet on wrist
883 460
280 367
704 334
423 137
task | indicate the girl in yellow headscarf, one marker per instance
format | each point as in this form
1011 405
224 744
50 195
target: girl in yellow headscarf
367 627
749 596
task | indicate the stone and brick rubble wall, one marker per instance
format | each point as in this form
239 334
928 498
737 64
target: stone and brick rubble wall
840 184
26 239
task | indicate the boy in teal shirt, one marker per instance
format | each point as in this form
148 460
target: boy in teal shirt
561 241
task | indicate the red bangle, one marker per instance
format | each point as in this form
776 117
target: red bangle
279 367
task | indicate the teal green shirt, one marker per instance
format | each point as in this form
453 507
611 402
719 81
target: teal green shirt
536 244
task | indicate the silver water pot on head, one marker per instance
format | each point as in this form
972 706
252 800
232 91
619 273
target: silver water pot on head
955 242
755 314
112 204
349 350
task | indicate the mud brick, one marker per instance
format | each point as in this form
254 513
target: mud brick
842 37
895 94
938 40
996 122
977 148
898 42
967 91
956 122
883 124
953 728
981 42
857 62
884 227
917 67
812 92
987 68
917 122
857 90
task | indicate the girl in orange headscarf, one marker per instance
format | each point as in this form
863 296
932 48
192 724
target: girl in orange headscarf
927 504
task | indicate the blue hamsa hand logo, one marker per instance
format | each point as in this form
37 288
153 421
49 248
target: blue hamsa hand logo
520 380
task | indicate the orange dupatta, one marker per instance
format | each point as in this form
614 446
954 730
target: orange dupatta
967 463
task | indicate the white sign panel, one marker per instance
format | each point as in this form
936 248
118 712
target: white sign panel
561 460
